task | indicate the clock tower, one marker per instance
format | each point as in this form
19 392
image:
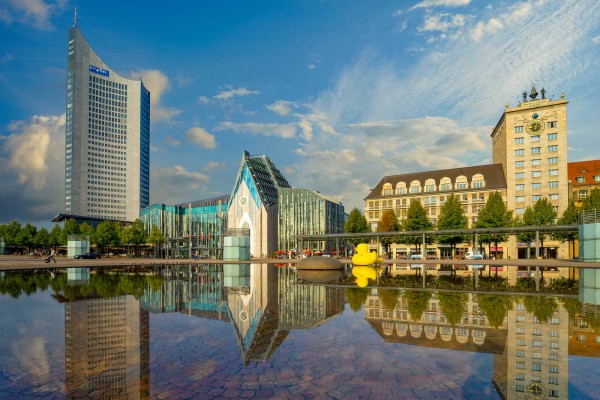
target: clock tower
530 141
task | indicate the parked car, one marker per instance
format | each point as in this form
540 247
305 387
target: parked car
415 256
88 256
472 256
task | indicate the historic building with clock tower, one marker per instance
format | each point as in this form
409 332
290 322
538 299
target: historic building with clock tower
530 141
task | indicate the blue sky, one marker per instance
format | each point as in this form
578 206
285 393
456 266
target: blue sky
337 93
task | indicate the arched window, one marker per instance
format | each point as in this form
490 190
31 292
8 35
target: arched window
401 188
430 185
477 182
415 187
387 189
461 183
445 184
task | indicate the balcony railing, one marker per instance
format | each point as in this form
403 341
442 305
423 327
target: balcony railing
589 217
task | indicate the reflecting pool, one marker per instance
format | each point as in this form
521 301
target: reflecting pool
271 331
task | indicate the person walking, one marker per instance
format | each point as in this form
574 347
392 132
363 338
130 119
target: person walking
51 256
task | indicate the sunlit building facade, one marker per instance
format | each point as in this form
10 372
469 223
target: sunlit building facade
107 153
584 176
305 211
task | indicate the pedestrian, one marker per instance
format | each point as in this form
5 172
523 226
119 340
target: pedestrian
51 256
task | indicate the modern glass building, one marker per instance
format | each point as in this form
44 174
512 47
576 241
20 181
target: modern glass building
196 226
305 211
107 155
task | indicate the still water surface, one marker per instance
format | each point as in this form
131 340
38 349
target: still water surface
262 331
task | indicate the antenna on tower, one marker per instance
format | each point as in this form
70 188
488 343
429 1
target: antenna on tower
75 17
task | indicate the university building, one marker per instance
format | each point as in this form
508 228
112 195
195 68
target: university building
107 153
529 149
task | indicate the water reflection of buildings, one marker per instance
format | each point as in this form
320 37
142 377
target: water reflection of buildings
261 302
107 348
432 328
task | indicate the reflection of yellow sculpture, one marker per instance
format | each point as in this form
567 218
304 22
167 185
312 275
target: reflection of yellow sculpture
365 272
363 257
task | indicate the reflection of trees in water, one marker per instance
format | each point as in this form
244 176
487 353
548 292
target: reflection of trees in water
453 304
388 298
24 282
416 302
357 297
495 307
543 307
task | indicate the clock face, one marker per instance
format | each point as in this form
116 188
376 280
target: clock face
535 127
536 391
243 200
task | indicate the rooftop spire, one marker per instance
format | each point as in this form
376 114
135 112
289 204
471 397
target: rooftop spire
75 17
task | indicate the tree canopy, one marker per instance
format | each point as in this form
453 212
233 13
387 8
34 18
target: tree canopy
494 215
388 223
416 220
592 202
452 216
357 223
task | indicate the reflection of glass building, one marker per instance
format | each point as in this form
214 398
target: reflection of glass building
304 211
107 162
107 349
253 202
199 224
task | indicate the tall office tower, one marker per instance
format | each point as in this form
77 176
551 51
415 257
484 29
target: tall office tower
107 158
530 141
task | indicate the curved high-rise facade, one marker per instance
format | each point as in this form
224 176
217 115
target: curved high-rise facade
107 164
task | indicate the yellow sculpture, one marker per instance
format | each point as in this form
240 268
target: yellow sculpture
363 273
363 257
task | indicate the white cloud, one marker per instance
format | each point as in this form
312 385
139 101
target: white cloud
175 184
441 3
442 22
281 107
172 141
212 165
483 28
158 84
36 13
228 94
286 131
596 39
183 80
203 100
32 161
201 137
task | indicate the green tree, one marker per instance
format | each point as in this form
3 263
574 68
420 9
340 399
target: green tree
71 228
569 217
452 216
592 202
42 238
452 305
416 302
494 215
388 297
133 235
156 238
388 223
541 214
495 307
416 220
55 236
26 236
357 297
87 230
357 223
107 235
11 233
543 307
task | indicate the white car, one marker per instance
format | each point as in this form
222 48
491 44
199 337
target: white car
472 256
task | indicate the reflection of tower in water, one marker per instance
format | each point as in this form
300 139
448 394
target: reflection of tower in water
107 348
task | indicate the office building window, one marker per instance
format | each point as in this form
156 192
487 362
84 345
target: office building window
535 197
553 381
536 185
552 172
520 186
520 353
535 162
536 174
536 367
520 175
535 138
536 150
553 369
519 210
596 178
553 184
519 164
583 194
552 136
520 365
554 345
553 160
520 152
551 124
580 179
520 377
553 148
520 199
518 129
519 140
520 388
553 196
